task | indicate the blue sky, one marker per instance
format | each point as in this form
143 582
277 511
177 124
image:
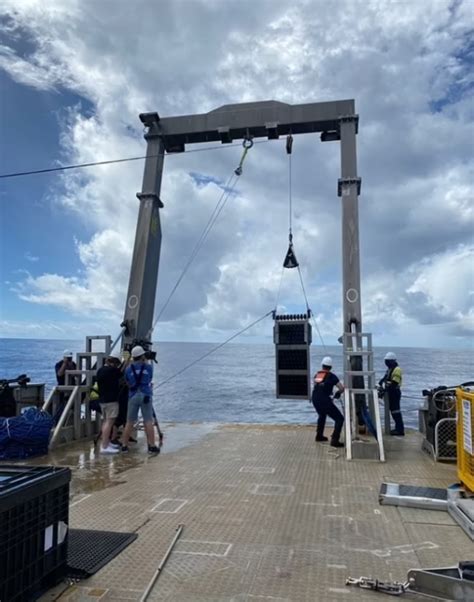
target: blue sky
36 235
74 77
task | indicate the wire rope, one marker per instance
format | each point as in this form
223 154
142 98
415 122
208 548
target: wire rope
279 288
112 161
213 350
228 189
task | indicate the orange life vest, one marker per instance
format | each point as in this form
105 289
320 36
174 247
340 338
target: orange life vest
320 376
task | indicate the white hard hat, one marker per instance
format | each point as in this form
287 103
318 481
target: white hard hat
327 361
67 353
138 351
390 356
116 355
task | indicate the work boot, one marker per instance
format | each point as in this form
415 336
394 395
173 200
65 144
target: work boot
321 438
336 444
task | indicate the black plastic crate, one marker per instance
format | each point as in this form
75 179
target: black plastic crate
34 518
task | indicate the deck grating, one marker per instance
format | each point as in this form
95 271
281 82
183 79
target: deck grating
269 515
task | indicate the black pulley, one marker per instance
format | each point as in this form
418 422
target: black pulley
290 258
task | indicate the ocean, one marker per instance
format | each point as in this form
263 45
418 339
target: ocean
237 382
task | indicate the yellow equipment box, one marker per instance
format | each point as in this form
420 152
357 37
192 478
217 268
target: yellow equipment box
465 436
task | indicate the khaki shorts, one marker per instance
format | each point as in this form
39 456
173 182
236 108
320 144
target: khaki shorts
110 410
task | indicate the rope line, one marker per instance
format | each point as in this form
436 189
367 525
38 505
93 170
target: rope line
290 196
228 189
310 312
213 350
279 288
33 172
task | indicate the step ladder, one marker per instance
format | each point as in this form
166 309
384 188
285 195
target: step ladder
360 397
77 421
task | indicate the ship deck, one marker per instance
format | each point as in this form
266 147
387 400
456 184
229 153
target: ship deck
268 515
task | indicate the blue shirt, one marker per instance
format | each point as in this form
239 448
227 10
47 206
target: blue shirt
144 384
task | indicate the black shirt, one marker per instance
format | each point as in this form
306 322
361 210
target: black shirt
108 379
61 379
323 390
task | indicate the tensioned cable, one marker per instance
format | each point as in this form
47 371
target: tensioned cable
111 161
309 311
228 189
289 141
290 195
279 288
212 350
290 198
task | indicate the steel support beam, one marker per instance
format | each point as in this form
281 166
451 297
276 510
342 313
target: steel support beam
335 120
349 189
138 318
267 119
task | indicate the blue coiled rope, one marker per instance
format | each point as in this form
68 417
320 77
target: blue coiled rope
26 435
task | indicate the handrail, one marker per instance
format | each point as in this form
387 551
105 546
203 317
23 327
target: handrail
48 402
64 414
378 426
348 423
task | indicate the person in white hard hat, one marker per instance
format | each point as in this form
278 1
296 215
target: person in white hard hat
322 398
390 387
108 381
139 375
65 364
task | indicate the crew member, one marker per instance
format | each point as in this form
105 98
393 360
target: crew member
139 376
324 383
390 387
108 381
65 364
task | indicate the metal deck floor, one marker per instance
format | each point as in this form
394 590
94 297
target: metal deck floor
269 515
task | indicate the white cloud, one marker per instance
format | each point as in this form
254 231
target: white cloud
30 257
403 63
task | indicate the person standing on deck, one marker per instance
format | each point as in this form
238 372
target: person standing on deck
324 383
139 375
390 386
65 364
60 369
108 381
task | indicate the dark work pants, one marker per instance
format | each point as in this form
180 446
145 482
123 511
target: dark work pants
327 408
394 396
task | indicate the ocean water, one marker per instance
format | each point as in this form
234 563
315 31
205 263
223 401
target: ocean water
237 382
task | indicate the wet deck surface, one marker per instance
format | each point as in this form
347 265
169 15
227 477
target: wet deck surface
268 515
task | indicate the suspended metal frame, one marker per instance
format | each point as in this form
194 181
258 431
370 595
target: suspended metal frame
292 336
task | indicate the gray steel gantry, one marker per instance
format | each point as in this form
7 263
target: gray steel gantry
335 120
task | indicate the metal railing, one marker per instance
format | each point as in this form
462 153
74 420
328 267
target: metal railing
71 401
359 345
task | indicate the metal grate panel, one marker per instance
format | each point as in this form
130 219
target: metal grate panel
445 439
89 551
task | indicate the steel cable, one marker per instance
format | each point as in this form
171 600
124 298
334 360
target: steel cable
213 350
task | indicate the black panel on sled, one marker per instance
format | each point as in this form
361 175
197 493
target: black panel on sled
292 337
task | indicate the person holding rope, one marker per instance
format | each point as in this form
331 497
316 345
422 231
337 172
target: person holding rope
108 382
390 387
139 375
322 398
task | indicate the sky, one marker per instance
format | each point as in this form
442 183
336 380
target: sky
75 74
